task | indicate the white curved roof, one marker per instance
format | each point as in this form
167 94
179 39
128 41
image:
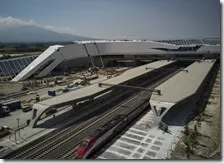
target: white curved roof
59 53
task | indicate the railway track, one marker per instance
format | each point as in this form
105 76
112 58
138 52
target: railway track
69 153
75 139
49 146
45 139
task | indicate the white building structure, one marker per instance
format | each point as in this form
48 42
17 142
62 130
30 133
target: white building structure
134 49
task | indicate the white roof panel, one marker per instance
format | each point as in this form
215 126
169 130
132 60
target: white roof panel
183 84
93 89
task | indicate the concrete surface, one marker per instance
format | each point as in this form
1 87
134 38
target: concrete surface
11 121
184 84
92 89
143 140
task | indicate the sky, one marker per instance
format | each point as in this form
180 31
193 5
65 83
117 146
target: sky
118 19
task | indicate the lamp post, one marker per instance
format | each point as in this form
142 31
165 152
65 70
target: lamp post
18 125
11 132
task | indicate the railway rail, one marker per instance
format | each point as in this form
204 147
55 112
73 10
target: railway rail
62 144
73 140
44 139
143 98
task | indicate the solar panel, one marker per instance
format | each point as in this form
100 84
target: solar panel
18 68
15 65
8 67
21 63
2 69
192 41
12 65
29 58
24 61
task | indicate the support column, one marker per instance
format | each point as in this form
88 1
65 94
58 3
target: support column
156 117
100 55
89 55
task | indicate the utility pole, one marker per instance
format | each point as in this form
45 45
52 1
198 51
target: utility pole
15 137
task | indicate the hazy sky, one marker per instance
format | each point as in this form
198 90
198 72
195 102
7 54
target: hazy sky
149 19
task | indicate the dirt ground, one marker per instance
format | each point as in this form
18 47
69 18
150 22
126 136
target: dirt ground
202 136
9 87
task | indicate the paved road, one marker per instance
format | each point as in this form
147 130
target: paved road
23 116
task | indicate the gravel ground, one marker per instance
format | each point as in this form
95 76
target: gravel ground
202 136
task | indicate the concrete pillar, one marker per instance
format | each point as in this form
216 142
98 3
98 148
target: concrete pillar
154 111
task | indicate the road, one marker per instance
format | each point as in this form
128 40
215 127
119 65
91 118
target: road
11 121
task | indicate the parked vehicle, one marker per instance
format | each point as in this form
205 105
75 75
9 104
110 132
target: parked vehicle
71 85
12 104
52 93
27 108
65 90
4 111
31 93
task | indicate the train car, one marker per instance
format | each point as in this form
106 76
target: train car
84 146
92 143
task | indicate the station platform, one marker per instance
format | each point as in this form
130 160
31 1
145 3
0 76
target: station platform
91 91
181 87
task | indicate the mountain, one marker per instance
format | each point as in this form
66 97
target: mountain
35 34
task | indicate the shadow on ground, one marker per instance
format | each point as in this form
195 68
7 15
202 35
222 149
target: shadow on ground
183 114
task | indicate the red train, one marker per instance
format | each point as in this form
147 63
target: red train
93 142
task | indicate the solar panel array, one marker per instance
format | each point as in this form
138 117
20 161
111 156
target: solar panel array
11 67
192 42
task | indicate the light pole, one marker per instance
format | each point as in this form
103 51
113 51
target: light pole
15 138
12 132
18 125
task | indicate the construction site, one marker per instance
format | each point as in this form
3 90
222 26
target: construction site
113 99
